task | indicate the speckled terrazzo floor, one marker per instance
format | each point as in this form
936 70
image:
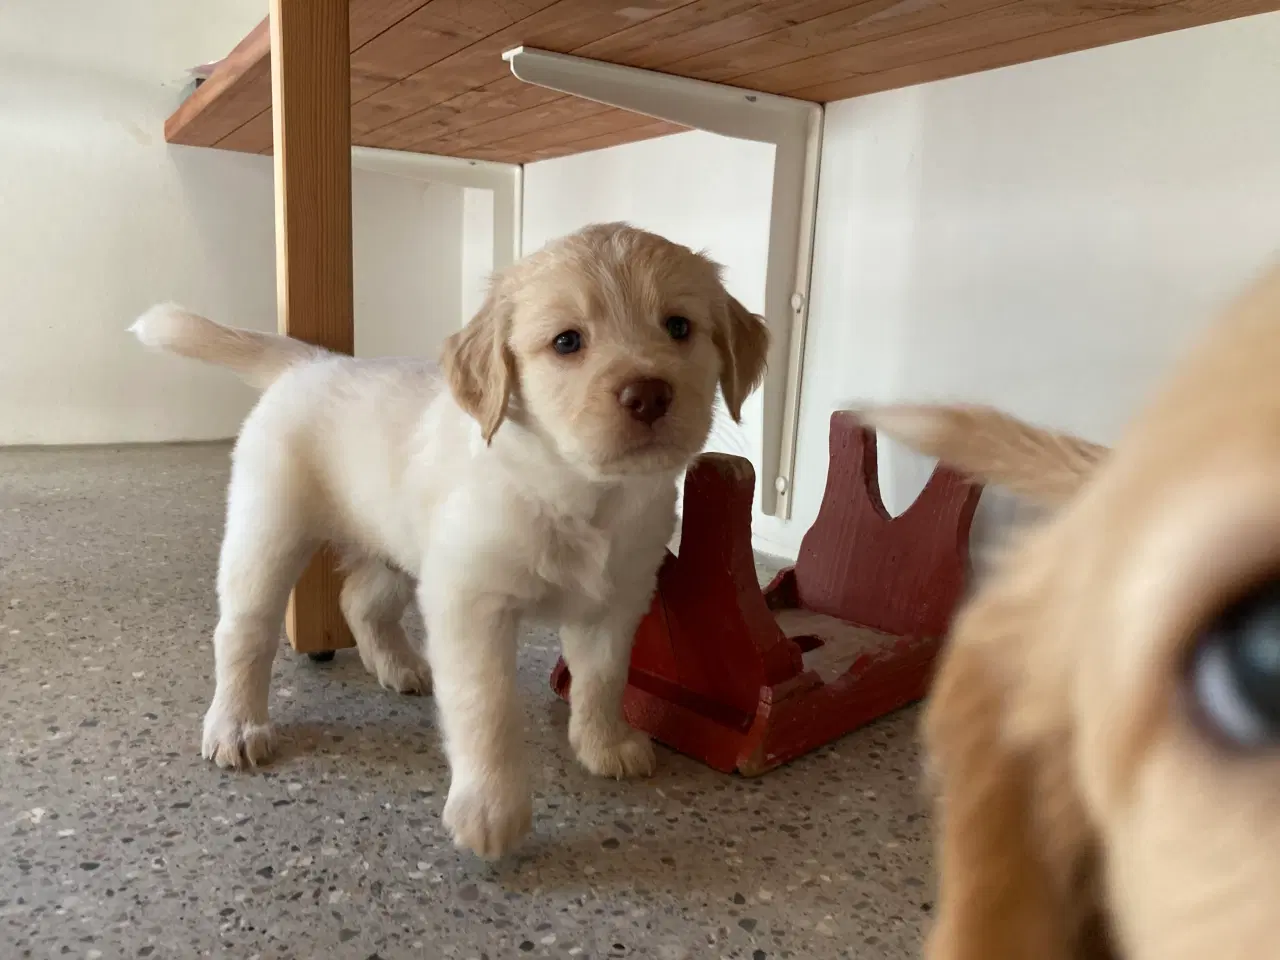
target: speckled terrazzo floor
117 840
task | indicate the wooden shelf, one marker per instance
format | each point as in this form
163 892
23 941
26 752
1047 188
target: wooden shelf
427 75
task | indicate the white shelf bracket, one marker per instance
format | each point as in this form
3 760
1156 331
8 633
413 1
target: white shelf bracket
505 180
794 127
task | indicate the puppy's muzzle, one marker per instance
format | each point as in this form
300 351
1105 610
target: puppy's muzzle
646 400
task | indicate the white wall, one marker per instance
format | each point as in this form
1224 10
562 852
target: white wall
1043 237
99 219
408 264
477 248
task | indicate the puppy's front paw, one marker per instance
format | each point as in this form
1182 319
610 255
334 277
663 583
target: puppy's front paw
400 670
409 674
628 753
232 739
488 821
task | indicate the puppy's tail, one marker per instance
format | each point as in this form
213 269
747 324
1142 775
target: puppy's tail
1045 466
259 358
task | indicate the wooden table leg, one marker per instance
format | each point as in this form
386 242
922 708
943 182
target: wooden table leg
311 106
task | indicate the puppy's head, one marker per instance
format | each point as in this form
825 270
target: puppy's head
610 344
1107 722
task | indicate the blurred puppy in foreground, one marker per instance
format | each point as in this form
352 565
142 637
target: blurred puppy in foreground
1105 725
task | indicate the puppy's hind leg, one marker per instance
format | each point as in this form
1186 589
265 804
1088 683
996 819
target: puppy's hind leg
263 553
374 598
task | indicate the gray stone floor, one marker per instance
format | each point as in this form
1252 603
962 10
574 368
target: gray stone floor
117 840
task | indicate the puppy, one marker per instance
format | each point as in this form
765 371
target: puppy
533 477
1104 727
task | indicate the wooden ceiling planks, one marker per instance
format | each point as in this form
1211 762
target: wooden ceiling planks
232 95
427 75
240 89
989 53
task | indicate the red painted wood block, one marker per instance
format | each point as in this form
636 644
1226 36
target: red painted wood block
747 679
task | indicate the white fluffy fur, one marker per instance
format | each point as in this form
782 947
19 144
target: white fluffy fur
378 458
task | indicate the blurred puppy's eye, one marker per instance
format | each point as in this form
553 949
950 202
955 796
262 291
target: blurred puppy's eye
678 327
570 341
1235 670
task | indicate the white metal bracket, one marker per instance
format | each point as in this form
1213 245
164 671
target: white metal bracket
794 127
506 180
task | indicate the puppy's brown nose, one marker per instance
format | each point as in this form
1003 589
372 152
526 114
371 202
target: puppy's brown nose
646 400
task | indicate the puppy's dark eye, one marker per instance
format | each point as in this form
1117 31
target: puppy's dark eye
1235 670
566 343
678 327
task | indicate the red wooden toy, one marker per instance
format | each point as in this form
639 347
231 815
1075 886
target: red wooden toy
744 679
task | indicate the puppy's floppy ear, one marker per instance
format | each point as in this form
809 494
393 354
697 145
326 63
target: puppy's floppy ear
743 341
479 365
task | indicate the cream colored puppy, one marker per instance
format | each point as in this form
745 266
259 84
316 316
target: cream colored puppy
534 477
